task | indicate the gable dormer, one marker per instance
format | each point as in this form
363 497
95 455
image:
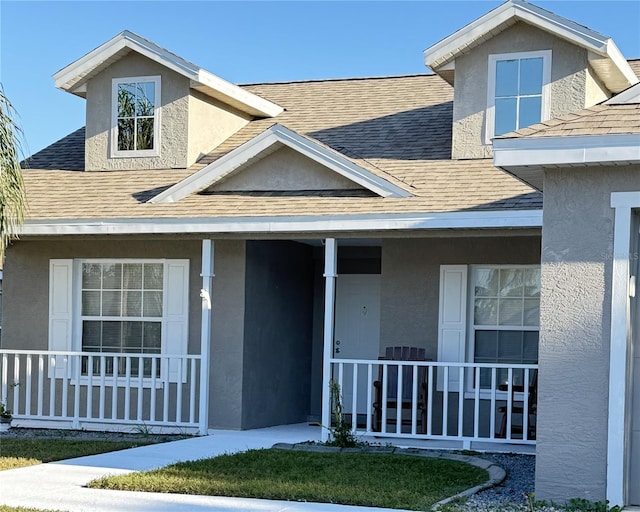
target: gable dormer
147 108
518 65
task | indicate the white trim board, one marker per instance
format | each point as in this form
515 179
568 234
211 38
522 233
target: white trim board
494 219
227 164
72 78
604 56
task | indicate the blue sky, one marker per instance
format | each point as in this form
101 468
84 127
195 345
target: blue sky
246 42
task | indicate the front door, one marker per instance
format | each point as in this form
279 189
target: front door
357 330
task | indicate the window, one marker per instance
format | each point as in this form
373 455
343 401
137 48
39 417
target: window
518 91
122 309
505 318
135 127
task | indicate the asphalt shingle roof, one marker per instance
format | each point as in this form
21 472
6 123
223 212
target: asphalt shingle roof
397 127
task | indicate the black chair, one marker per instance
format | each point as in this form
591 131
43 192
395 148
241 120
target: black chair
406 401
517 408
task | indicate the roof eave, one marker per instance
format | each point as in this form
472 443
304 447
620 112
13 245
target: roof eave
526 158
604 56
73 78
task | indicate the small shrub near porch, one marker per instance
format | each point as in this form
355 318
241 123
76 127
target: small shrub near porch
365 479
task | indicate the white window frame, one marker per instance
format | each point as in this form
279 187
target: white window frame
491 86
470 341
117 153
77 322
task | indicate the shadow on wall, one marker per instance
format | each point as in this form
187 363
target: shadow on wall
419 134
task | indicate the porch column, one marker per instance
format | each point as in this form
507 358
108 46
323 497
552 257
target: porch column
205 330
330 274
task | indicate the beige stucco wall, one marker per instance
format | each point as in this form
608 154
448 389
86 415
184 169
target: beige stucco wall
174 117
210 124
595 91
411 280
568 83
577 253
285 169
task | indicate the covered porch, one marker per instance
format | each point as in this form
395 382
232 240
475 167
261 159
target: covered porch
445 401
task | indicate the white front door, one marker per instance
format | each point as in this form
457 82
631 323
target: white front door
357 330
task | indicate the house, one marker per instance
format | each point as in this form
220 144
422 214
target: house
206 255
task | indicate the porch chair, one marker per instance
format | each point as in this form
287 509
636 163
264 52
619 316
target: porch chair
401 354
517 408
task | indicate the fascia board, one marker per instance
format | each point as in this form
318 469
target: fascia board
586 149
599 46
70 77
494 219
239 156
258 106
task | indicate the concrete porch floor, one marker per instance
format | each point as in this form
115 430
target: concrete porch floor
60 485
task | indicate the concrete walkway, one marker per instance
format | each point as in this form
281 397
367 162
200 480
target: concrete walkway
59 485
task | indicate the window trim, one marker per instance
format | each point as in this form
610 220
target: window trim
491 86
470 334
76 342
113 143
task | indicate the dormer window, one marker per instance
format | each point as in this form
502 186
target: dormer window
135 127
518 91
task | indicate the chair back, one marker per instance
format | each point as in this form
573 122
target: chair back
402 353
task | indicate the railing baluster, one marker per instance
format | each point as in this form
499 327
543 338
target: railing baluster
140 388
103 390
52 387
192 392
509 401
354 399
384 394
414 400
5 377
369 395
114 388
28 384
492 418
461 377
89 412
445 402
525 405
127 387
166 385
65 389
40 383
399 397
152 406
76 362
430 400
16 381
179 393
476 404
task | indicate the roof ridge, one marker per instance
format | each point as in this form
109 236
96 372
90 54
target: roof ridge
343 79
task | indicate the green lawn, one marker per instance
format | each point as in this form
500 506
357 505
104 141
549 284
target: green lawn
365 479
16 453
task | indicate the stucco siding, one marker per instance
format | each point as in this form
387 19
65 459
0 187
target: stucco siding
411 276
577 247
210 124
174 117
278 333
285 169
568 83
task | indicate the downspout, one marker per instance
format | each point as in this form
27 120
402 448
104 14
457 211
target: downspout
205 333
330 274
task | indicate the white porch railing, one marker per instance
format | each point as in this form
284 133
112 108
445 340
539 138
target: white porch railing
116 391
465 402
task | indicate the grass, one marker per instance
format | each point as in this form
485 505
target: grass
365 479
6 508
17 453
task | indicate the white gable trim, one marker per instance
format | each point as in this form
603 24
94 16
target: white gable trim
628 97
72 78
605 57
222 167
493 219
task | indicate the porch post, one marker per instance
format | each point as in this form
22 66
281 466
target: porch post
330 274
205 330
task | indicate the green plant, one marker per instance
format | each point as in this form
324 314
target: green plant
143 429
341 433
4 412
584 505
